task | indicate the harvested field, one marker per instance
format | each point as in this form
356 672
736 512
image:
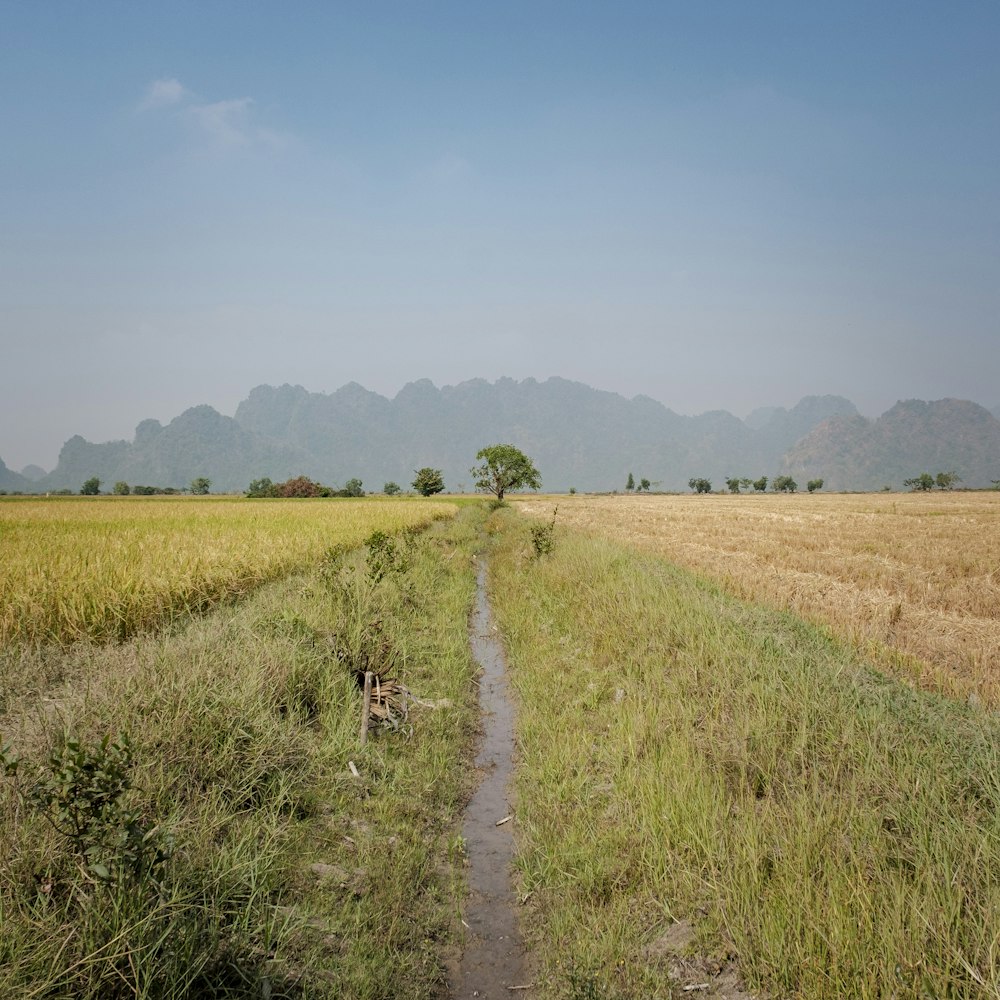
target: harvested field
913 579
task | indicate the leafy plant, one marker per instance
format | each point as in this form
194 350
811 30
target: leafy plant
81 791
385 556
543 536
700 485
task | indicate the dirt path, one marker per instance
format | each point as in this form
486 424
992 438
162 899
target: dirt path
493 960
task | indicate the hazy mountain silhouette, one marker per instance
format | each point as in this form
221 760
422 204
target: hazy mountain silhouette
11 480
578 436
913 437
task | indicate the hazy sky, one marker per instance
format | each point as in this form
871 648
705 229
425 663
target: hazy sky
718 204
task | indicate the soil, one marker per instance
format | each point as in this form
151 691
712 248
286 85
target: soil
493 960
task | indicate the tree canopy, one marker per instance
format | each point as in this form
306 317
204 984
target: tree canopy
428 481
504 468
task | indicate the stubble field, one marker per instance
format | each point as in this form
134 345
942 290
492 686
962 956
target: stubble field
912 579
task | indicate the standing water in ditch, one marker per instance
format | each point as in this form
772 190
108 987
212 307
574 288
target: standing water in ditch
493 959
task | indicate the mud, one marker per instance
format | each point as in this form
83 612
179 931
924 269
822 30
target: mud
493 959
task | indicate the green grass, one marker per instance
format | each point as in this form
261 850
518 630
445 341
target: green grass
242 725
685 756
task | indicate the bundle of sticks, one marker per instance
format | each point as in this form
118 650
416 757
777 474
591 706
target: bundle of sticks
386 701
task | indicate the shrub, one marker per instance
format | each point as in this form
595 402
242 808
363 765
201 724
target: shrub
543 536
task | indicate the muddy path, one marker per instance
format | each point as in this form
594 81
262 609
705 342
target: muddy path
493 960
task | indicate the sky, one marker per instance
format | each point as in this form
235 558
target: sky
721 205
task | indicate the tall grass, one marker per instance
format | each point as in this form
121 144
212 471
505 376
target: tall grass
242 725
688 757
910 578
106 569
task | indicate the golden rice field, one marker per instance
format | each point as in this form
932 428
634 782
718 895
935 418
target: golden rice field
109 567
913 578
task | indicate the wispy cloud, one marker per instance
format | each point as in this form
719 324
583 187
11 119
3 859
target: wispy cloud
223 124
163 93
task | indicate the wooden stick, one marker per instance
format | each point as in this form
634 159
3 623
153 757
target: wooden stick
366 707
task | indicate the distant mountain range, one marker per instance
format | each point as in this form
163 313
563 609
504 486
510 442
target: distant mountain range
578 437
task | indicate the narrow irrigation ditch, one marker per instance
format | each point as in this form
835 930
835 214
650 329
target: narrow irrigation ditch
493 962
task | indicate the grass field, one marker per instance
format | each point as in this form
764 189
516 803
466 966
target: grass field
913 579
709 789
107 568
219 846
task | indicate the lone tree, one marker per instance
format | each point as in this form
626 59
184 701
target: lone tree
428 481
91 487
700 485
504 468
121 488
391 489
814 484
200 486
784 484
630 484
760 484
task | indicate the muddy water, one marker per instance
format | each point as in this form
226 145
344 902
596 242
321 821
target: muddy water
493 959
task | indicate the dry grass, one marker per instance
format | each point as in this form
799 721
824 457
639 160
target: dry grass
914 579
108 568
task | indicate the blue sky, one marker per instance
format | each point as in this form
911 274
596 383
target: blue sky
721 205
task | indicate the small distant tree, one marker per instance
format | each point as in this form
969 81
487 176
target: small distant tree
91 487
200 486
261 488
644 484
760 485
946 480
428 481
572 489
814 484
784 484
733 484
921 483
700 485
391 489
504 468
352 488
630 483
746 482
121 489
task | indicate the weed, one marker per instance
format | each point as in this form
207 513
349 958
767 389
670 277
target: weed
543 536
81 791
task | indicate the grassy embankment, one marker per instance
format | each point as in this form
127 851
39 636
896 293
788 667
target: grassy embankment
688 757
911 579
192 876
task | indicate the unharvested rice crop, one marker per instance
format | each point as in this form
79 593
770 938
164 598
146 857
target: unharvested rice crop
106 568
914 579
